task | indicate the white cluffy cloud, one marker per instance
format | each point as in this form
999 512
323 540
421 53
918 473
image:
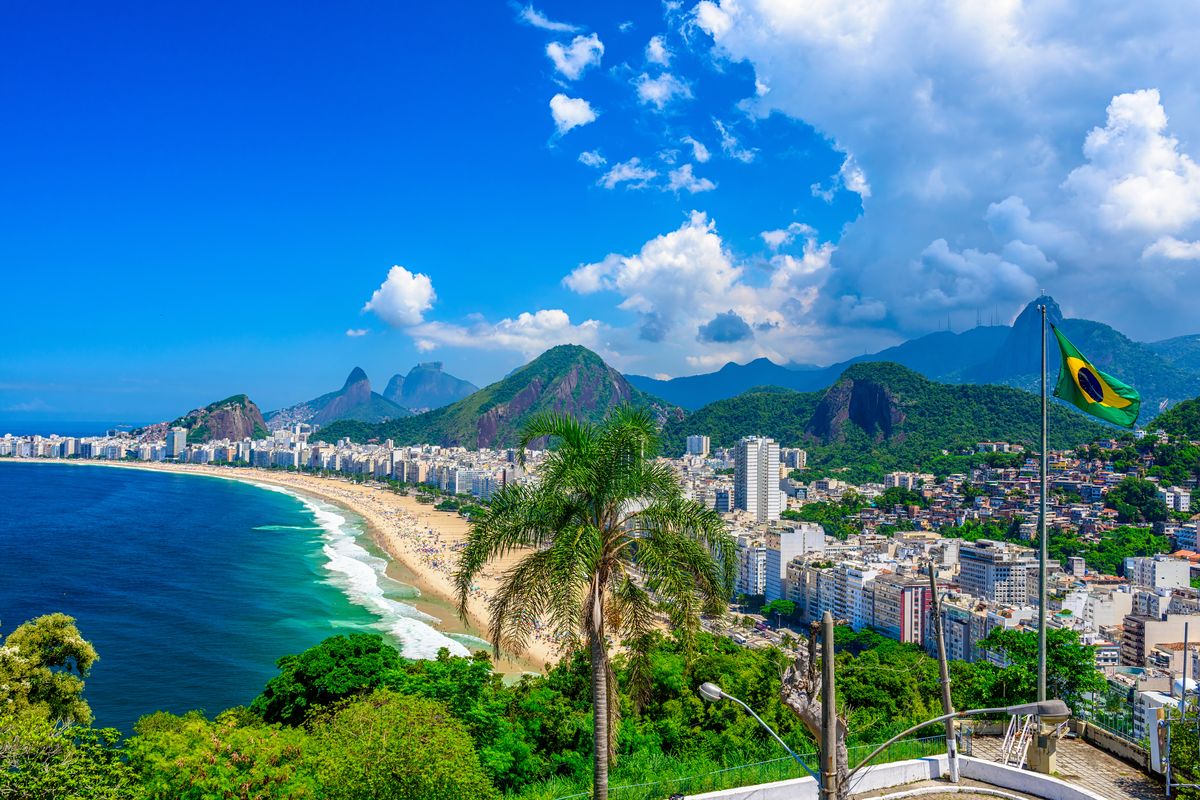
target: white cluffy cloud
986 150
631 173
531 16
697 307
779 238
403 298
571 60
570 112
661 91
683 178
699 151
529 333
657 51
592 158
354 333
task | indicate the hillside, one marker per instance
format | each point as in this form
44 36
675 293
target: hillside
354 401
935 355
427 387
233 418
1140 365
997 354
568 378
880 416
1182 420
1182 351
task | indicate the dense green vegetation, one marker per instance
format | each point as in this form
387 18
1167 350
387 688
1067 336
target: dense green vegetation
880 417
374 724
1136 500
1182 420
567 378
197 421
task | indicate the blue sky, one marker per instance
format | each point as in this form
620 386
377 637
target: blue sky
229 197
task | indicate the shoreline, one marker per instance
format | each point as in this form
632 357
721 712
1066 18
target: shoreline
421 544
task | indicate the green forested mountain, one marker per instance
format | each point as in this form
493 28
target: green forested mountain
881 416
995 354
1182 420
1182 351
233 418
568 378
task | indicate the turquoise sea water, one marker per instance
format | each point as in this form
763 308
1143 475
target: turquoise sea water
191 587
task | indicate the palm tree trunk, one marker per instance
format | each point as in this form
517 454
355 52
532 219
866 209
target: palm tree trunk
599 717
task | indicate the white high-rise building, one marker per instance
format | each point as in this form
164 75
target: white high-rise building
176 442
1158 572
697 445
756 478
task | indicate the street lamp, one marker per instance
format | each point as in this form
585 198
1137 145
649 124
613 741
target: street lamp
1052 711
713 693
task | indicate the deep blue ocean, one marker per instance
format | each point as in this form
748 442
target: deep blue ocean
190 587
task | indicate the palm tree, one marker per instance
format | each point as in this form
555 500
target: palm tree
610 541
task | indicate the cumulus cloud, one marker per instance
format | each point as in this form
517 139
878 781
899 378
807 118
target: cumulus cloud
531 16
592 158
661 91
570 112
529 333
572 60
683 179
783 236
403 298
1136 177
631 173
657 51
685 286
726 327
1174 249
354 333
699 151
987 150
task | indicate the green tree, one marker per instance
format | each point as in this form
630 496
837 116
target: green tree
784 608
235 756
609 532
390 745
42 666
44 760
338 667
1136 500
1070 669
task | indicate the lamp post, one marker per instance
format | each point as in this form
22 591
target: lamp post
1049 710
713 693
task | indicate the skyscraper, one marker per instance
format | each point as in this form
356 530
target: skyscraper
697 446
756 478
176 442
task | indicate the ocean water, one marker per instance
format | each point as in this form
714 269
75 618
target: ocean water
192 587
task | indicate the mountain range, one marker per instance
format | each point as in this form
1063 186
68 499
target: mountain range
355 400
426 387
998 354
569 379
879 416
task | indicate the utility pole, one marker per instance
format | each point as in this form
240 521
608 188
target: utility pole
1044 547
1041 753
944 668
829 770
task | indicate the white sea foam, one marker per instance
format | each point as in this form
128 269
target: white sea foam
361 577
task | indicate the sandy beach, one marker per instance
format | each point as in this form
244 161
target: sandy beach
422 543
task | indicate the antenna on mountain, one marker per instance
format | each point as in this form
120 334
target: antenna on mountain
978 318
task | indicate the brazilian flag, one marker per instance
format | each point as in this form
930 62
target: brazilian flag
1093 391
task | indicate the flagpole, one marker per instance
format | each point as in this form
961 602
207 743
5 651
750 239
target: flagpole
1043 549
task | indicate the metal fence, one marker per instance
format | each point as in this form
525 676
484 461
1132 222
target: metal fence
776 769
